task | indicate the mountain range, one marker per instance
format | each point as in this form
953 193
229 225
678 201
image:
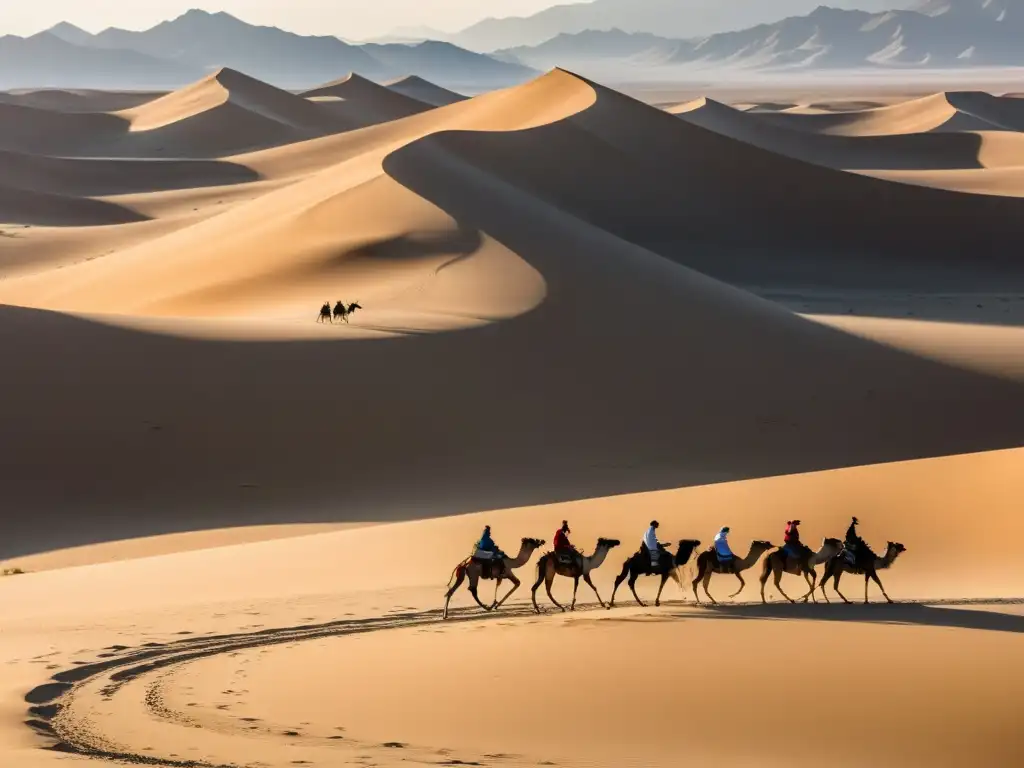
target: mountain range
941 33
668 18
197 43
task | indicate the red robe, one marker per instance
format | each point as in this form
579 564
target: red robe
561 540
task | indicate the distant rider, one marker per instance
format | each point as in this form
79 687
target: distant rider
722 550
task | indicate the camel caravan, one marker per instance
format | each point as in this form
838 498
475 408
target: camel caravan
654 558
341 312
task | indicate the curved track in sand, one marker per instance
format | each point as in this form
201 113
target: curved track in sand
93 709
63 708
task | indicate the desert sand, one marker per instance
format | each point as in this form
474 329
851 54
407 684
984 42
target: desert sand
233 525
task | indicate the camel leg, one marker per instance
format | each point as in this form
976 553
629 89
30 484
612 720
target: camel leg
515 586
473 583
824 580
742 585
547 584
778 586
632 588
497 584
878 581
764 580
533 591
811 577
657 599
696 581
575 586
835 585
707 580
586 578
460 576
618 580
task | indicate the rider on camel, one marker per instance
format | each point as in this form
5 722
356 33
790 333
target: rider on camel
486 544
650 543
562 543
793 547
854 544
722 550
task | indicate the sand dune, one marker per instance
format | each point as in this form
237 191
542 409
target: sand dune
364 102
225 112
30 129
452 230
938 112
78 100
914 151
115 177
422 90
196 471
22 206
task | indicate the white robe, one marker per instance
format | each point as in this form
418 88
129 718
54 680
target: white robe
651 539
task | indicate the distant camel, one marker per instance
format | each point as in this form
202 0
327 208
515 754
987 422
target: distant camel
707 564
340 310
551 565
778 562
838 565
325 313
499 570
668 565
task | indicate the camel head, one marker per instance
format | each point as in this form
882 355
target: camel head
896 548
535 543
761 544
833 545
608 543
691 543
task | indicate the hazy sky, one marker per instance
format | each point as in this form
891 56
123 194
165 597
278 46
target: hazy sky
345 18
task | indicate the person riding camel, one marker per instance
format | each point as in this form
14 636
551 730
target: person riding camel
486 545
563 547
722 550
793 546
650 544
854 544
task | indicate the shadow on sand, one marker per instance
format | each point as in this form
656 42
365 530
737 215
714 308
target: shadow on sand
933 614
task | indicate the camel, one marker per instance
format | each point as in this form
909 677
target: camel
474 570
707 564
778 562
340 310
668 565
550 565
837 565
325 313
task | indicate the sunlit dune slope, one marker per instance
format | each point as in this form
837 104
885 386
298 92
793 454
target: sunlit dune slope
938 112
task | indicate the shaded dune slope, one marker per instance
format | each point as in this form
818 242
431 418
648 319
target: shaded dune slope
30 129
363 102
74 176
423 90
972 149
79 100
631 373
37 208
